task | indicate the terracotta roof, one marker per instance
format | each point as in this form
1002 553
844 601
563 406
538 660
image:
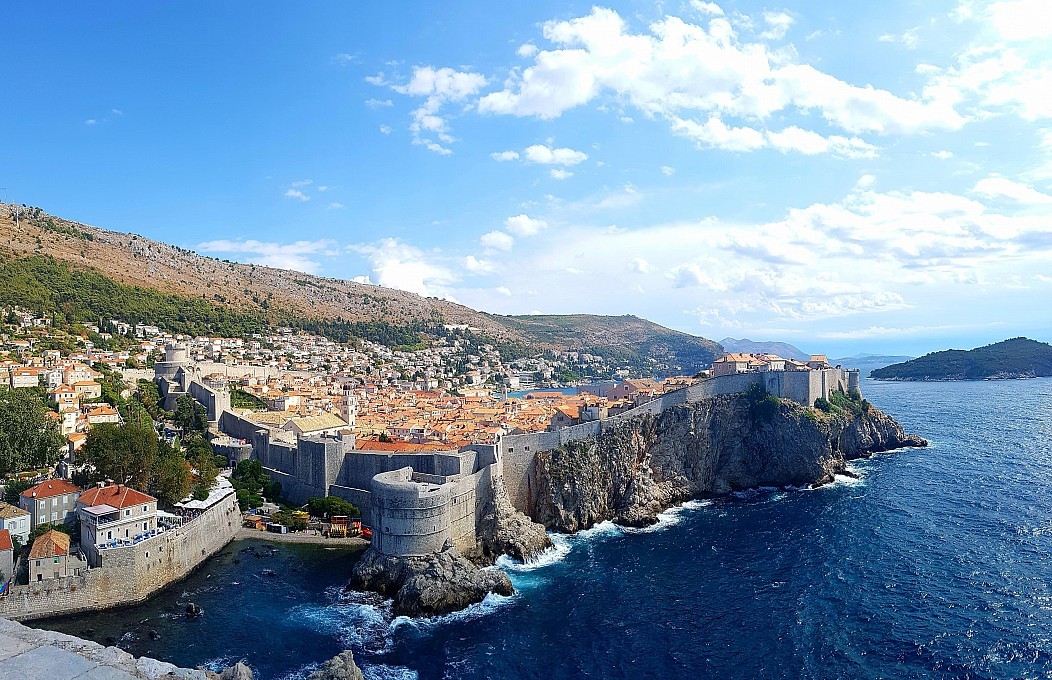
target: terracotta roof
51 543
50 488
8 511
5 540
117 495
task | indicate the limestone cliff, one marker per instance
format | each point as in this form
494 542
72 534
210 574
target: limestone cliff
636 469
503 530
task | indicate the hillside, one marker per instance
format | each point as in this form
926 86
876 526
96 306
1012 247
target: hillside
782 349
250 289
84 272
628 339
1014 358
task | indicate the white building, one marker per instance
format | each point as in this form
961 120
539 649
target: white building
114 515
16 520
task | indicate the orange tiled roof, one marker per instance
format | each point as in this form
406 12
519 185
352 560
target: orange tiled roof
5 540
50 488
114 495
51 543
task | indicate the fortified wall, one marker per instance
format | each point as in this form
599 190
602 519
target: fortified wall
416 502
518 451
129 574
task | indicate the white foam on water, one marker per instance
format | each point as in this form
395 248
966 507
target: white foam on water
383 672
668 518
358 620
605 528
490 604
557 553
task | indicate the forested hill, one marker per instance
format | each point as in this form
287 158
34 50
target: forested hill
80 273
1014 358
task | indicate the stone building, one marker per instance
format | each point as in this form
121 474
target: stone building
49 502
50 557
114 515
7 556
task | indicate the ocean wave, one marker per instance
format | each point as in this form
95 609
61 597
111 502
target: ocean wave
383 672
490 604
358 620
557 553
669 517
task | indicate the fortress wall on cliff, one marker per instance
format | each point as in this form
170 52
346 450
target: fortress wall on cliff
518 451
130 574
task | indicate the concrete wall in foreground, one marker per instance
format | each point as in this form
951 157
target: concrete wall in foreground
130 574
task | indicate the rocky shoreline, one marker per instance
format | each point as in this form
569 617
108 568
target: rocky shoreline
630 473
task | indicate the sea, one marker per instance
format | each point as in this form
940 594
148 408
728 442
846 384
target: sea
932 563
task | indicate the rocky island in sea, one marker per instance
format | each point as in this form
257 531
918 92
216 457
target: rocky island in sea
1006 360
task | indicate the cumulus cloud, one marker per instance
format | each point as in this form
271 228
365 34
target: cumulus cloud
504 156
546 155
271 254
497 240
396 264
698 77
297 194
559 173
524 225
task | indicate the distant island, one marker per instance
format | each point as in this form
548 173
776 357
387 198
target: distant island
1007 360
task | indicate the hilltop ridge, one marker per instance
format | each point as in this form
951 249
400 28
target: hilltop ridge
1008 359
274 295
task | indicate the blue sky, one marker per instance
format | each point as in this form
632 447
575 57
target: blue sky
863 178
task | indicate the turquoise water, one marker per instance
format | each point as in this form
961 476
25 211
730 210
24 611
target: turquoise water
936 563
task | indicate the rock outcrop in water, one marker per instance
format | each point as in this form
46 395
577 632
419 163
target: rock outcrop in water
636 469
340 667
503 530
428 585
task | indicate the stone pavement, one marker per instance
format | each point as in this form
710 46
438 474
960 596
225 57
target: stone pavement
31 654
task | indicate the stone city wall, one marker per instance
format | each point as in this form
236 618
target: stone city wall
130 574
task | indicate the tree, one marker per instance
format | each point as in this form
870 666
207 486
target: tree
12 490
331 505
29 438
190 415
125 453
172 480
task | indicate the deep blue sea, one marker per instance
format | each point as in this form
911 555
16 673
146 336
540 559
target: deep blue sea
937 563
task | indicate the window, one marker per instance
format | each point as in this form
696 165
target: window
127 513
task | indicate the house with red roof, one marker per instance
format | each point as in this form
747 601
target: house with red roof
114 515
50 557
7 556
50 501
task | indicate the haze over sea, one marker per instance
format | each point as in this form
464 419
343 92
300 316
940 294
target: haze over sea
935 563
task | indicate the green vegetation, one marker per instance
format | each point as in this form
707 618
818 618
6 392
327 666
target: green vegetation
291 519
132 454
242 399
14 489
252 484
112 385
29 438
839 402
404 338
60 527
330 506
148 394
190 415
763 406
53 288
1014 358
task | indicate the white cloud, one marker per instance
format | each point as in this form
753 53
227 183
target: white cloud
942 154
343 59
667 170
379 103
559 173
503 290
385 129
908 38
778 24
546 155
1021 19
335 205
1000 187
504 156
708 8
91 121
297 194
399 265
302 183
497 240
479 266
697 77
640 266
524 225
440 86
526 50
281 255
